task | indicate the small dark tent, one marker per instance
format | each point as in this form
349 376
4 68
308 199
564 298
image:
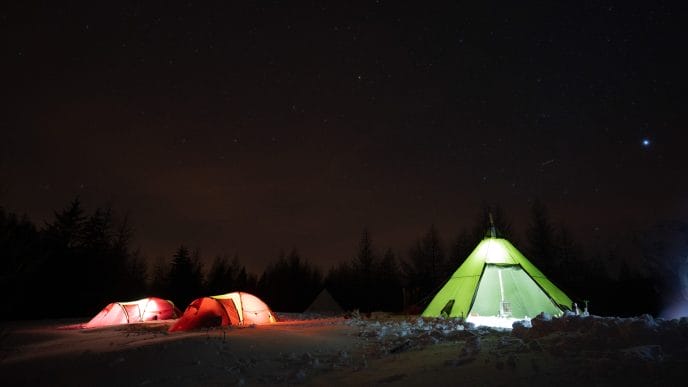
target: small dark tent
324 303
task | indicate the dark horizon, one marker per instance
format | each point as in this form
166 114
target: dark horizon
600 240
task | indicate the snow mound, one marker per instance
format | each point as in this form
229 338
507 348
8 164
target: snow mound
393 336
413 327
641 338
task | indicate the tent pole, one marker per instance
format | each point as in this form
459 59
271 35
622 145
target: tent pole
501 293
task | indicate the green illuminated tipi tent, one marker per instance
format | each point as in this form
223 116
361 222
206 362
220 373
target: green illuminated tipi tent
497 285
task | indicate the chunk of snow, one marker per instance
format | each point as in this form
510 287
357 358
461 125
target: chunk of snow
646 353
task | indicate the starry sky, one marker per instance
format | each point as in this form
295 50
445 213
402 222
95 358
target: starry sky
264 125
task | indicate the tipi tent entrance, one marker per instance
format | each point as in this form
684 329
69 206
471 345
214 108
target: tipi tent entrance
508 292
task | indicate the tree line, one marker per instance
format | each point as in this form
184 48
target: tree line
78 262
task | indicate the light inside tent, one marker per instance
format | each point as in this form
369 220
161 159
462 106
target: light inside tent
494 321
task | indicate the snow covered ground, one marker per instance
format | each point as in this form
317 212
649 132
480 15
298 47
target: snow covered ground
392 350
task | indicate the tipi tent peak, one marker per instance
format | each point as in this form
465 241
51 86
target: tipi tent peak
497 285
236 308
145 309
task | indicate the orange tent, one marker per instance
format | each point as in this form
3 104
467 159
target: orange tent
237 308
146 309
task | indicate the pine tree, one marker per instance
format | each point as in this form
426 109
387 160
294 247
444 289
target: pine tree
568 255
63 270
219 277
20 258
185 278
160 281
463 245
135 276
387 287
426 267
363 266
65 231
97 230
541 248
365 257
289 272
339 282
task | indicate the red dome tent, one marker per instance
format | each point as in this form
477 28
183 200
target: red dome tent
146 309
237 308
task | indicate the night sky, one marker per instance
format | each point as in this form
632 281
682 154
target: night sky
248 129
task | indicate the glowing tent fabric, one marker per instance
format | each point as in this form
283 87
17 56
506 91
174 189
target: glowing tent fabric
237 308
146 309
497 281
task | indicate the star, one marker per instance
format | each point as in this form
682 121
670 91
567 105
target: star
645 143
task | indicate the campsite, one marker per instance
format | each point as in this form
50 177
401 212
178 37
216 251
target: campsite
469 331
339 193
494 318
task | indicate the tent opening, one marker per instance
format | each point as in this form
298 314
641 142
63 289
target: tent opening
446 311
